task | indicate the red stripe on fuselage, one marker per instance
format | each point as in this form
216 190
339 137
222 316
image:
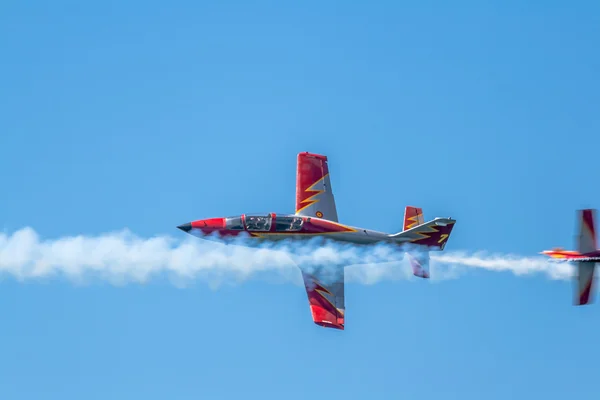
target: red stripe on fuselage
315 225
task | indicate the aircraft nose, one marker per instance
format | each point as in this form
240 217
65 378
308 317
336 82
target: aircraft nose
185 227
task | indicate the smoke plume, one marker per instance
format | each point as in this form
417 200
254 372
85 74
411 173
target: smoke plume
122 257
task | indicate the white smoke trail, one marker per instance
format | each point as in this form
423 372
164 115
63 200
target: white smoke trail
518 265
123 257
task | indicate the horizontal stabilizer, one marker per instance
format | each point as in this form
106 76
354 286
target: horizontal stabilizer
433 234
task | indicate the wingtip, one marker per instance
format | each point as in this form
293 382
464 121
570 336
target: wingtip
330 325
314 155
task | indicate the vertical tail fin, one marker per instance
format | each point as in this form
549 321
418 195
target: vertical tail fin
413 216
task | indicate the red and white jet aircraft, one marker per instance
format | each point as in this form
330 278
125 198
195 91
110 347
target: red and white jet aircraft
316 216
586 256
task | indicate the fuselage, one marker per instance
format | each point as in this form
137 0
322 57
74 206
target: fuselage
572 255
275 226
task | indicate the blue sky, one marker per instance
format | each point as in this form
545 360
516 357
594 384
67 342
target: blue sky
145 115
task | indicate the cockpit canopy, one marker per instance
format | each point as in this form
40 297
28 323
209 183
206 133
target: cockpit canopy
258 222
264 222
288 223
234 223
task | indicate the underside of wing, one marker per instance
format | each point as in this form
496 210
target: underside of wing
325 290
585 282
314 197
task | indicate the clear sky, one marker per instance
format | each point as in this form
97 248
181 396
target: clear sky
145 115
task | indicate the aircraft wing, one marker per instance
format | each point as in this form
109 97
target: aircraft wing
586 240
586 243
314 197
585 282
325 290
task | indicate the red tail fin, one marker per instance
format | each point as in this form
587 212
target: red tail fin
413 216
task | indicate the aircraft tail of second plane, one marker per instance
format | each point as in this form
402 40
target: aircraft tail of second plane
585 257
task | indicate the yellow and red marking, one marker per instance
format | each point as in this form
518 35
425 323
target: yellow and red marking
413 216
433 235
311 170
324 312
563 254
